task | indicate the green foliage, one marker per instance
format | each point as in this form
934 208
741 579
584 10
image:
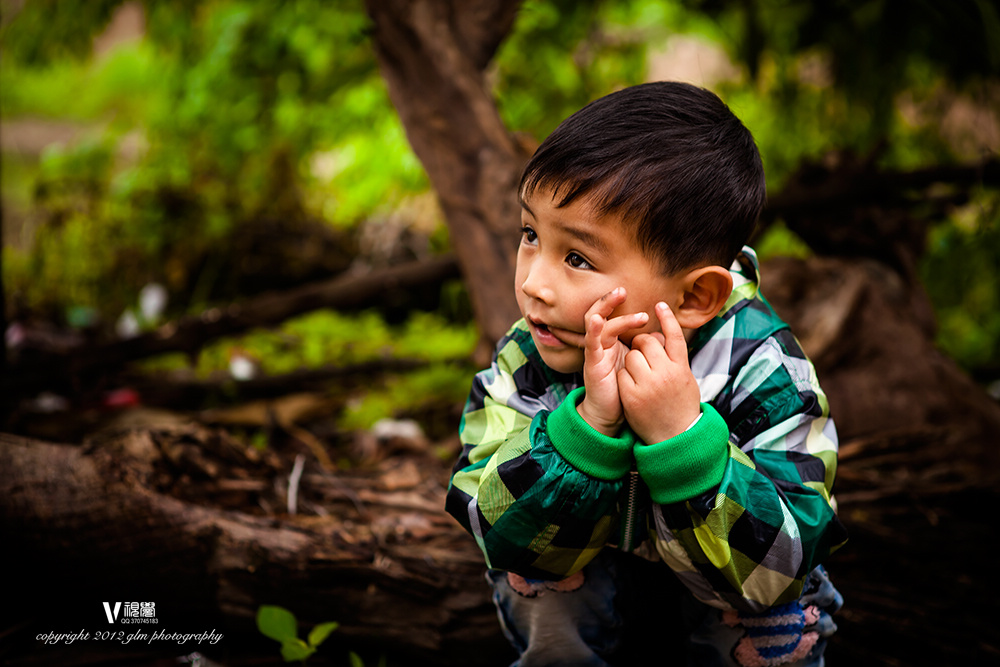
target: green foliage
279 624
259 90
125 83
562 54
779 241
69 189
959 271
243 111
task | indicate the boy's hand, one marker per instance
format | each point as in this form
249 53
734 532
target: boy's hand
659 394
604 357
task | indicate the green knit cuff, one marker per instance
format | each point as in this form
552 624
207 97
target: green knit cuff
687 464
585 448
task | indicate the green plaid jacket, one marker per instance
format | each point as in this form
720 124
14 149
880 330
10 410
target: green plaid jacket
739 506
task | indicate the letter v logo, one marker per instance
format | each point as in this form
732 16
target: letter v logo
107 610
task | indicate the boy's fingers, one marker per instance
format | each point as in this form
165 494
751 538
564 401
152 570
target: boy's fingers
624 323
625 381
600 335
651 347
607 303
674 342
595 330
637 364
597 316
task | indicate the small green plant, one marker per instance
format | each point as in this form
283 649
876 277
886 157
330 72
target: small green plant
279 624
357 661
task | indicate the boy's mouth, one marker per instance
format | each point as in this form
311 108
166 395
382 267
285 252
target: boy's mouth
547 335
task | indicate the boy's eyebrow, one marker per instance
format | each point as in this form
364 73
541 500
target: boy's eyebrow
525 206
586 237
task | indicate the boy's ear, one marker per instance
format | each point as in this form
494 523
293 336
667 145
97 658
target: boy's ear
705 293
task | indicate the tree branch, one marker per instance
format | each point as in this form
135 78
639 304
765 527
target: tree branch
346 292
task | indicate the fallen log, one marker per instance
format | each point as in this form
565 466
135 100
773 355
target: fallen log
91 523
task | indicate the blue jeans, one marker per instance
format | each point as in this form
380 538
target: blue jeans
627 609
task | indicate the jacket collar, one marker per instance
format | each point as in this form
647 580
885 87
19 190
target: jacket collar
746 280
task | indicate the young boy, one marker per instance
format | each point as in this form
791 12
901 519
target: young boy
650 403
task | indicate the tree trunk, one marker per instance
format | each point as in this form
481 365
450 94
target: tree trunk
433 56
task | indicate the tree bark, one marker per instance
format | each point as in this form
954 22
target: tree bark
433 57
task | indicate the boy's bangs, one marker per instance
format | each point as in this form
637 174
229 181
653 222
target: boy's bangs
609 191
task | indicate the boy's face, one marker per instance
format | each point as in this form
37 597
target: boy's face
568 259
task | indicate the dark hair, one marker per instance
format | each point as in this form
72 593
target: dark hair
671 159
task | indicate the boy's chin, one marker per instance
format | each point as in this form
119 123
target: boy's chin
563 361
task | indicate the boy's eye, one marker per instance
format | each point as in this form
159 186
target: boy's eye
577 262
528 235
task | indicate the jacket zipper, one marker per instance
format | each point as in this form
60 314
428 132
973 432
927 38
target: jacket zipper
630 511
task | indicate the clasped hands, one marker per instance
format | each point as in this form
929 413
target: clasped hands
648 385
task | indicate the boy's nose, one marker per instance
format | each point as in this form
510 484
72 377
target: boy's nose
536 286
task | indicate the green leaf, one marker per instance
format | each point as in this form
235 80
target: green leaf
277 623
321 632
355 659
295 649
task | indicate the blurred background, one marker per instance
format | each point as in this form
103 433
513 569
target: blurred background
200 153
212 211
